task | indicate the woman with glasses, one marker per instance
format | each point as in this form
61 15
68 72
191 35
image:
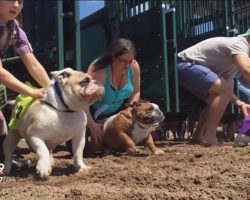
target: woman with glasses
119 72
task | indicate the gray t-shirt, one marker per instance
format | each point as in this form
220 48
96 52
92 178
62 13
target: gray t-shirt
216 54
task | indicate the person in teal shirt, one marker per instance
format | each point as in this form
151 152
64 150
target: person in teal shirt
119 72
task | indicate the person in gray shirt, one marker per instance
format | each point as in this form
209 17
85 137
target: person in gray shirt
207 70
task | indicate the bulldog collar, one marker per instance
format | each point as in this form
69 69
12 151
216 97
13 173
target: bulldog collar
59 94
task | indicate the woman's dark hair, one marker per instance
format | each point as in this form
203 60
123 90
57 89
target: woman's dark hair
117 48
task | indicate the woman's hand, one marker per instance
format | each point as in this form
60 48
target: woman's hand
96 136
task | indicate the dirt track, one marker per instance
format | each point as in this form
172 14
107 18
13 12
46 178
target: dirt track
183 172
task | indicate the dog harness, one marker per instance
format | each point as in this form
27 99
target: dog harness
24 102
20 108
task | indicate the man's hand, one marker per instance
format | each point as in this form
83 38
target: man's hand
245 108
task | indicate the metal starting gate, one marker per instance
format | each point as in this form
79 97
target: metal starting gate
159 30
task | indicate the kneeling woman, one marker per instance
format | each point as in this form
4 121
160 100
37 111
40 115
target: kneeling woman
119 72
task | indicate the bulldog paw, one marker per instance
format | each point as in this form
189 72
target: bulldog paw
137 152
44 170
158 152
134 151
83 168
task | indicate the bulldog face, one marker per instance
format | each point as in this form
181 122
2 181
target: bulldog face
78 88
147 113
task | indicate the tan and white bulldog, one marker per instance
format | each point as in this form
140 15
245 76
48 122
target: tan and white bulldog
56 118
123 131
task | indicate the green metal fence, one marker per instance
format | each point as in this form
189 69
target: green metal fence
240 15
197 20
160 29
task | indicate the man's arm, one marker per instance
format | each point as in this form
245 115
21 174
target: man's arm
243 63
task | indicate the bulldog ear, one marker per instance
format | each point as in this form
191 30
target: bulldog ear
143 101
57 73
135 104
62 76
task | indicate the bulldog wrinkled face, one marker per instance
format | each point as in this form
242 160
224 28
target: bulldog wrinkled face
149 113
79 89
84 86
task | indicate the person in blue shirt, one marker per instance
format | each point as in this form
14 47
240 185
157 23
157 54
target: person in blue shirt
119 72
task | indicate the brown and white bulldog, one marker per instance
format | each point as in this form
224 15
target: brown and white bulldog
123 131
56 118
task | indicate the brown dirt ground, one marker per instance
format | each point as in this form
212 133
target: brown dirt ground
184 172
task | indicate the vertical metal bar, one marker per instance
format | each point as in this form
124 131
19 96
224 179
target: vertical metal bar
235 15
176 78
144 6
123 8
184 18
210 10
128 9
246 15
226 19
165 59
204 15
198 6
208 14
232 17
60 50
200 16
152 3
179 13
131 8
139 7
187 19
78 35
191 16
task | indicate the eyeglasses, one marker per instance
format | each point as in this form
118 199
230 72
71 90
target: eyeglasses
125 62
19 1
14 1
